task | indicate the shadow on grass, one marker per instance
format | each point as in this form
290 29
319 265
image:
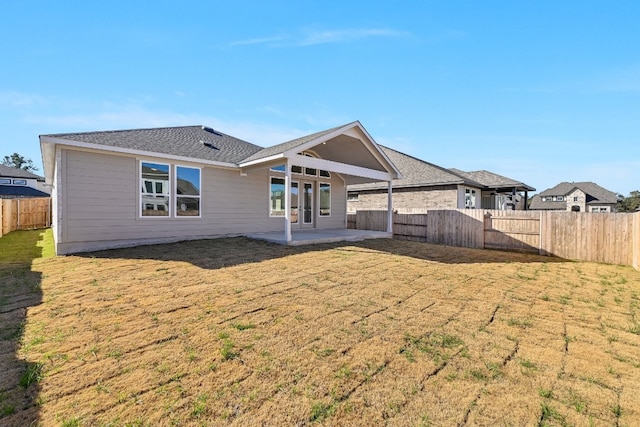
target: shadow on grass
226 252
20 288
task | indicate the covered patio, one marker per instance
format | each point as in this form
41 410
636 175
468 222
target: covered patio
315 236
347 152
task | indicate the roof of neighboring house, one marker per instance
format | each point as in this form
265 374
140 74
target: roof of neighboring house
416 173
8 171
595 195
20 191
419 173
198 142
493 180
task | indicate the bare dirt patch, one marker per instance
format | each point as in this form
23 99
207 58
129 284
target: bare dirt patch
385 332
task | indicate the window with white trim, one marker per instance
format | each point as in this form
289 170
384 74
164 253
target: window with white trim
325 199
470 198
277 197
310 171
155 189
19 182
5 181
169 191
187 194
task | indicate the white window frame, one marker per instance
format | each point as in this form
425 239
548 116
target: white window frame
307 154
320 215
297 185
271 215
5 181
176 195
473 198
19 182
141 194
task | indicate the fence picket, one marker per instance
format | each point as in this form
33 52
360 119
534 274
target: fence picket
24 214
603 237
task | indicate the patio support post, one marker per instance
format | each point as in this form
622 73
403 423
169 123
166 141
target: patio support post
390 208
287 201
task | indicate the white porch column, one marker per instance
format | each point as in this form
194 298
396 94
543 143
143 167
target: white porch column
287 201
390 208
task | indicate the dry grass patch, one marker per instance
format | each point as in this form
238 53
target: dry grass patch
238 332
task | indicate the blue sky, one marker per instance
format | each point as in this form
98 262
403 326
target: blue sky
539 91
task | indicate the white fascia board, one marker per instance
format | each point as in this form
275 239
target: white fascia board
341 168
140 153
262 160
320 140
48 152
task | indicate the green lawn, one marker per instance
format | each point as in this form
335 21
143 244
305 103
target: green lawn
22 247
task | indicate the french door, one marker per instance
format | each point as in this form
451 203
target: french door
307 205
302 200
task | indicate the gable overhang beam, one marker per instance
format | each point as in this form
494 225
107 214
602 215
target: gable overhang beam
341 168
371 175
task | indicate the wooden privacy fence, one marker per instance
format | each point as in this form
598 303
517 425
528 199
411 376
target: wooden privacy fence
24 214
603 237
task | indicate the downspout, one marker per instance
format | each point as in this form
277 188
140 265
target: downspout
390 208
287 201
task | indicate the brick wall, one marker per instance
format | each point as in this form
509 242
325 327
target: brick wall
406 200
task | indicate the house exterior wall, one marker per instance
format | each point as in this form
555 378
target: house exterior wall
408 199
97 203
600 208
475 201
577 198
502 201
42 186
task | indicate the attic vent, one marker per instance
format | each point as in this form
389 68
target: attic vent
211 130
209 145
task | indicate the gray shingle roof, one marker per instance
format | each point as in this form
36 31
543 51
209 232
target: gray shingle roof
285 146
197 142
493 180
20 191
416 173
7 171
595 195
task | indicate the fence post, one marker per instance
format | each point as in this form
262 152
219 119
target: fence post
7 218
486 225
540 251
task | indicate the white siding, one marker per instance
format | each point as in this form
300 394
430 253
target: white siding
100 204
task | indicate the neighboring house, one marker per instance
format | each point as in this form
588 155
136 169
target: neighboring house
142 186
425 186
575 197
16 183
